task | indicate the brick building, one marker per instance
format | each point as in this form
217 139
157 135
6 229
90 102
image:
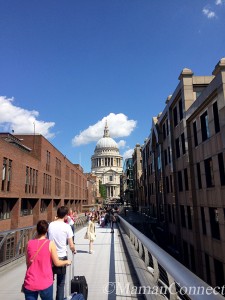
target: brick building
36 179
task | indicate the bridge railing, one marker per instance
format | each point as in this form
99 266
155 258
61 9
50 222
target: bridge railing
175 280
13 242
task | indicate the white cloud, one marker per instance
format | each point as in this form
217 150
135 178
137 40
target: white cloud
119 126
128 154
21 120
121 144
219 2
209 13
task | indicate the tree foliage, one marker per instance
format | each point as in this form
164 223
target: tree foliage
102 190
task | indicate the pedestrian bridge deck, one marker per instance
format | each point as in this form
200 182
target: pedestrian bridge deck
109 274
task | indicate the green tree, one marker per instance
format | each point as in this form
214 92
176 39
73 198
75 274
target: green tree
102 190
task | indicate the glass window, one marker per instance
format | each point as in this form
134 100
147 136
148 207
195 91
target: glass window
177 147
180 181
175 120
189 217
203 220
216 117
182 215
186 179
4 168
214 222
199 176
221 168
183 143
165 157
209 172
205 126
219 274
195 133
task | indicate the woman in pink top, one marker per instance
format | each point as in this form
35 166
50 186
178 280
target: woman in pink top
40 254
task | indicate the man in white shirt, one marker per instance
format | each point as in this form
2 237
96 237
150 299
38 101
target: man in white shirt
60 233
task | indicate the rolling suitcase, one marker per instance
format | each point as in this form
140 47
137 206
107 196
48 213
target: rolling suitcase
78 285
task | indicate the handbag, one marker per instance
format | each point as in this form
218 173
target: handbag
86 236
31 260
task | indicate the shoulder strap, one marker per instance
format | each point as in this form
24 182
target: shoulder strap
36 253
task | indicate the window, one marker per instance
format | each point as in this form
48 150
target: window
164 131
186 179
6 174
165 157
47 184
181 109
219 273
175 120
221 168
167 127
208 269
9 175
48 161
5 209
182 216
180 181
44 205
214 222
26 207
58 167
31 180
177 148
57 187
195 133
199 176
183 143
4 168
203 220
205 126
216 117
209 172
110 178
189 217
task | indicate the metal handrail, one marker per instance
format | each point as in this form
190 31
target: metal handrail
179 275
11 251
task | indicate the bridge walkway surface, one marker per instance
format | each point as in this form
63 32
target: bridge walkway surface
109 273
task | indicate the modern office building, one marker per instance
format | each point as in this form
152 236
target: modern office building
36 179
183 164
107 165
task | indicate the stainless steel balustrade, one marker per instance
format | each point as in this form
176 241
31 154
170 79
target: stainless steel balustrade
13 242
177 281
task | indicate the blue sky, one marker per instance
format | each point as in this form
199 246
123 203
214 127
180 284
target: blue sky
67 66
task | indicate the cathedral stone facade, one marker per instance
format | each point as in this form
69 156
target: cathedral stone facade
107 165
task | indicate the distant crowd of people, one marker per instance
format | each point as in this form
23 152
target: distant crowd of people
46 254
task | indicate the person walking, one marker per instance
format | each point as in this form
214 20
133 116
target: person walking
61 233
112 220
40 253
91 233
70 220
